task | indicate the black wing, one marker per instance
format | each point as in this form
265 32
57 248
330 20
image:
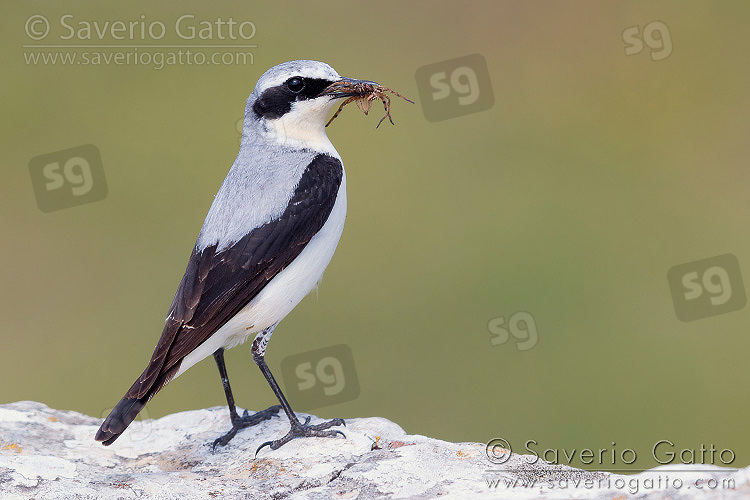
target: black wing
216 286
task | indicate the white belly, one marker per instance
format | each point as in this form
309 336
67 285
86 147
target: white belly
283 292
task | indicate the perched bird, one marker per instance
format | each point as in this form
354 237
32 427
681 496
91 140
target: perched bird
268 236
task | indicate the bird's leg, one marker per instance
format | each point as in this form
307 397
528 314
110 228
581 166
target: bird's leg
245 420
298 429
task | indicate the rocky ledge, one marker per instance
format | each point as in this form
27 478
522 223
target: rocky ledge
51 454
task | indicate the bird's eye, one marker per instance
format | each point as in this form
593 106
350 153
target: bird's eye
295 84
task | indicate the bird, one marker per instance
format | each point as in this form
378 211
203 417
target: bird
269 235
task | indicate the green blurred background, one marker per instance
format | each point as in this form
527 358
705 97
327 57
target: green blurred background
593 174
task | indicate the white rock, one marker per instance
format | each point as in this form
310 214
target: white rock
47 454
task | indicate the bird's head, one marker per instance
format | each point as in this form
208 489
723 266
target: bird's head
291 102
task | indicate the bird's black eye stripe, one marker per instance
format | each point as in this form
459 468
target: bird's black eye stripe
296 84
276 101
308 88
314 86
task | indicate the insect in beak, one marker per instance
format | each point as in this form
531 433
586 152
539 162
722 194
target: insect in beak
349 87
363 92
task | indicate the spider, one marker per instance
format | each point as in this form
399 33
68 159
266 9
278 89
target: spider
366 94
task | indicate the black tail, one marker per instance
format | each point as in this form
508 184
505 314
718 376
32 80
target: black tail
130 406
119 419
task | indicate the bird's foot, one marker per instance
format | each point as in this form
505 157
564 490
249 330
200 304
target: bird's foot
306 430
246 420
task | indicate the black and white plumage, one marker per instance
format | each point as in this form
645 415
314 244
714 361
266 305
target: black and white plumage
268 236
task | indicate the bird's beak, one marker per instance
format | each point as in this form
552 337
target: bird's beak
348 87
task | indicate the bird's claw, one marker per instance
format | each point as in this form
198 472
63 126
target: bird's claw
223 440
246 420
306 430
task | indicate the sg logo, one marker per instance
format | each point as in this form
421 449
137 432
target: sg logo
321 378
522 327
68 178
661 46
455 87
707 287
